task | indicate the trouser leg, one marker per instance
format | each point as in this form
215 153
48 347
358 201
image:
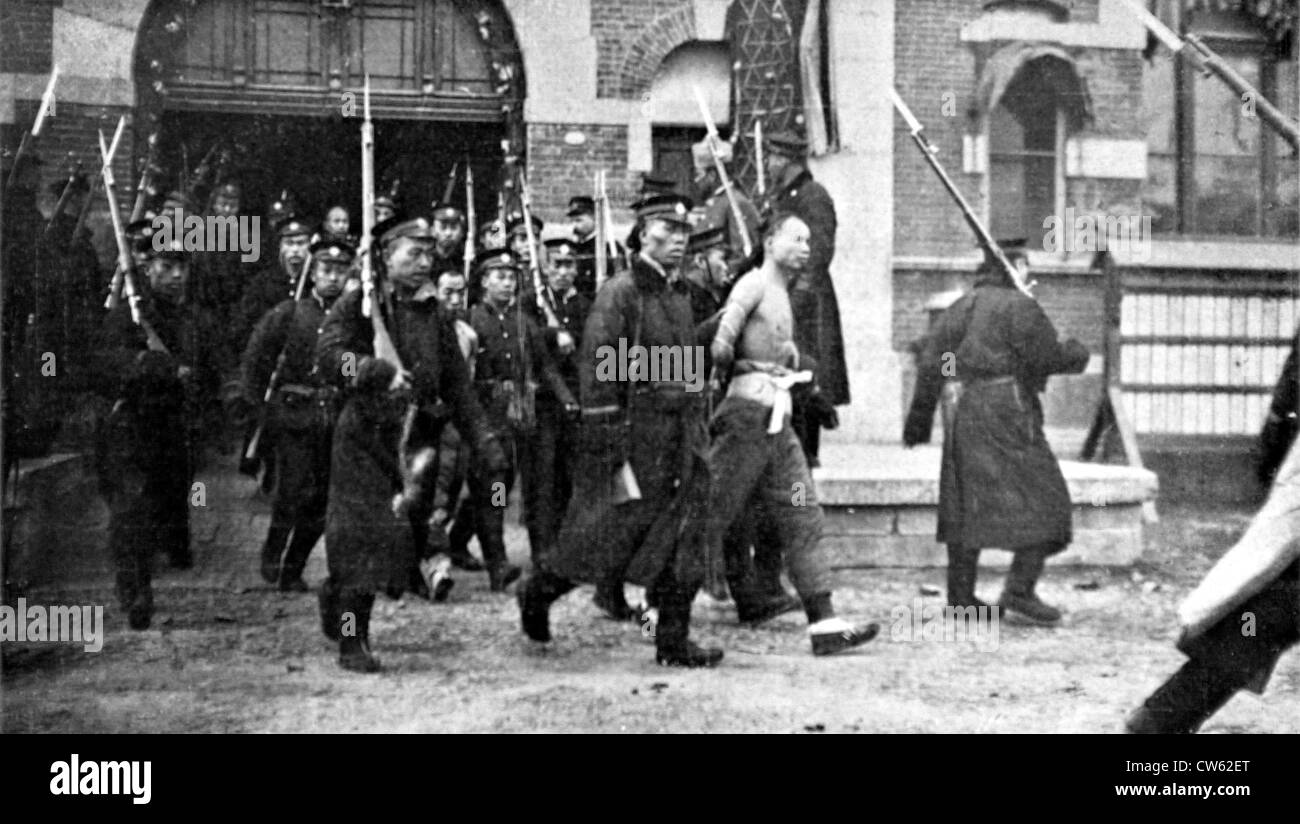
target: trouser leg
1182 704
796 515
963 566
738 459
674 598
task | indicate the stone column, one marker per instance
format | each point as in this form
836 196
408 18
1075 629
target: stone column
860 177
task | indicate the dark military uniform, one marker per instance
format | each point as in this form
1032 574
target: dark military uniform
512 369
1000 486
369 546
71 297
716 211
143 459
300 422
548 455
269 288
658 429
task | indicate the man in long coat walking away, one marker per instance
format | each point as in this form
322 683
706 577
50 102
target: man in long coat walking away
1000 485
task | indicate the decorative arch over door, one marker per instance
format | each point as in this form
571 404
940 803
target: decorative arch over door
445 60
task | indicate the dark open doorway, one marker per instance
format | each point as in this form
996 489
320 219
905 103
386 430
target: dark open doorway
319 159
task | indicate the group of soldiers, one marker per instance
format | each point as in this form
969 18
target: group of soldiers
392 416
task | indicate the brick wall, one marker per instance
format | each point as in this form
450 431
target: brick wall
933 67
632 37
929 63
558 170
26 36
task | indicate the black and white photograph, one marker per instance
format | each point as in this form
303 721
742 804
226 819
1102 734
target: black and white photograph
651 366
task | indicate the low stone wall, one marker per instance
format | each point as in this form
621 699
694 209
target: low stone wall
881 509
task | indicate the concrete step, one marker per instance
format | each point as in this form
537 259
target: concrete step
881 504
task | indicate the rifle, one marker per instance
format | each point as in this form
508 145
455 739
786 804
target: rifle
1204 58
124 261
143 190
601 262
535 265
471 220
73 173
383 342
47 105
250 454
745 241
451 184
982 235
615 248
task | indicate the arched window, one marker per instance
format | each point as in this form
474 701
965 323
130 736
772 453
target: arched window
1027 130
673 110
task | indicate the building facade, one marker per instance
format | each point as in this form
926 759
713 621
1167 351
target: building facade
1047 114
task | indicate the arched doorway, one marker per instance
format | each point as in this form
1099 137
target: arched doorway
274 87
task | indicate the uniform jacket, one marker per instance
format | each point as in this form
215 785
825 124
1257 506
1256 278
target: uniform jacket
571 311
501 358
292 328
263 292
716 211
662 433
1000 486
816 309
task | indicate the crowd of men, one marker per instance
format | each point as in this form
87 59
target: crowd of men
400 448
390 415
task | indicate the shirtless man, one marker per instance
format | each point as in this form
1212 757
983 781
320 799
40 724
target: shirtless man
755 459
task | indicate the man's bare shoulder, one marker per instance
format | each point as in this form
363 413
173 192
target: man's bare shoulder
749 288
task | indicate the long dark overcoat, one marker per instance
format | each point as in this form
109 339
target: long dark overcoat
1000 486
664 434
367 546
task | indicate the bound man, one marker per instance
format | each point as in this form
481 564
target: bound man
372 532
300 417
157 373
816 309
637 511
999 486
756 457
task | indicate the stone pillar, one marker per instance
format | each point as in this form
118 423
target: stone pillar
860 177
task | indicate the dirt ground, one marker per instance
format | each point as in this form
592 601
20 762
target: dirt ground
226 653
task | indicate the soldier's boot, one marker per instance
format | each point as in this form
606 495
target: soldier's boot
673 646
331 613
501 573
541 589
276 538
295 559
462 529
354 645
1184 702
963 569
609 598
135 596
1018 593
